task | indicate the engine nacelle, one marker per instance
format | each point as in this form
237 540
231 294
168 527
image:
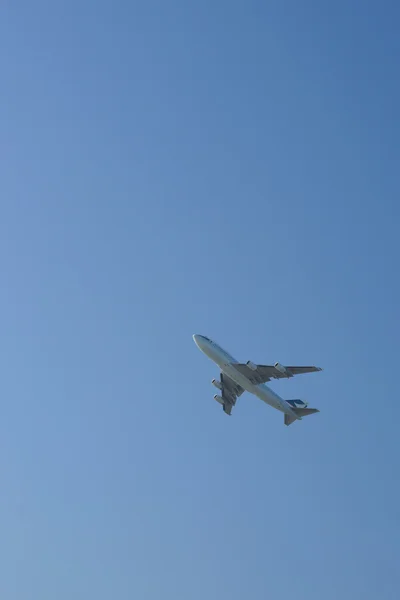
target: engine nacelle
282 369
217 384
219 399
251 365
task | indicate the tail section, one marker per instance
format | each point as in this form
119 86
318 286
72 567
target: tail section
297 403
299 412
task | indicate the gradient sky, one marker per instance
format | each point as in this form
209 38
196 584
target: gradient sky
227 168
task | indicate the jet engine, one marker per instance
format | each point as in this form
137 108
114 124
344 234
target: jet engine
251 365
219 399
217 384
282 369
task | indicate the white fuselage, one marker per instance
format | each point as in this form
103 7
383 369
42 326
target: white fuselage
226 363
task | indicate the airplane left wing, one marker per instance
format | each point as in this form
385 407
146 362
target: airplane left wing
229 393
258 374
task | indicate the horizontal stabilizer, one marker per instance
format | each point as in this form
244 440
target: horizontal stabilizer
300 412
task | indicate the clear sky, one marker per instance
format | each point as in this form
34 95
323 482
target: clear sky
229 168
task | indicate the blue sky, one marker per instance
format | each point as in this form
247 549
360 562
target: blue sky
224 168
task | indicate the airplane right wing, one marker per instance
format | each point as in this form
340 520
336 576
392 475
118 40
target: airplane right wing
230 391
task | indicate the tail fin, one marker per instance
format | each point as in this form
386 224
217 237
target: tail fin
300 412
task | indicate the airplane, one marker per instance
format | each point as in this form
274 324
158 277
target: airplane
236 378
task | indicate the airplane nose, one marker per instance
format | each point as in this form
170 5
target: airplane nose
197 339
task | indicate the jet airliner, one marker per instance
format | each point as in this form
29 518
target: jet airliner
236 378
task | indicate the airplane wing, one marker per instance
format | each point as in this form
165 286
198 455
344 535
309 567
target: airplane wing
258 374
229 393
